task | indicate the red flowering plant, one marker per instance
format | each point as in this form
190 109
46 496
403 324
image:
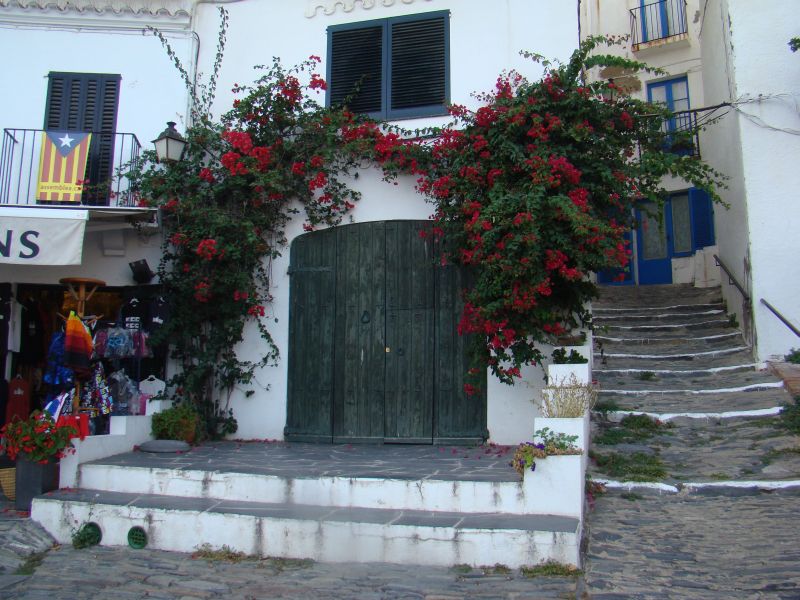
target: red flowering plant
277 153
39 438
533 192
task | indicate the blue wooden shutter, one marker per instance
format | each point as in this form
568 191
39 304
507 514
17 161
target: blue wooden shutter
702 218
419 65
87 102
355 68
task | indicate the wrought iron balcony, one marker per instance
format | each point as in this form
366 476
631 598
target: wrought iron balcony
23 160
682 133
660 20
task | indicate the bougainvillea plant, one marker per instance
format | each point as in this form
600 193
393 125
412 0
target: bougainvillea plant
532 193
277 153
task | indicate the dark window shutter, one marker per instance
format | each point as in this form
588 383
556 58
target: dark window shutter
356 58
702 218
419 63
87 102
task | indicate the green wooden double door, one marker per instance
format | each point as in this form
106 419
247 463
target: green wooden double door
374 352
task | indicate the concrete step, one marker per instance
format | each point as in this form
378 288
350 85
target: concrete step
322 533
439 493
697 382
699 404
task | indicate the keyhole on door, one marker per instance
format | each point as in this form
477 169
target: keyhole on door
365 317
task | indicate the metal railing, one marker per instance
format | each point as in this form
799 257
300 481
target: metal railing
731 278
658 21
783 319
108 153
682 133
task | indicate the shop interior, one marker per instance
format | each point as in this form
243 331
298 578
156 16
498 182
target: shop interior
81 351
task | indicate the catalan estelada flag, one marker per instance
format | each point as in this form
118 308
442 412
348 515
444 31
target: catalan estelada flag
62 166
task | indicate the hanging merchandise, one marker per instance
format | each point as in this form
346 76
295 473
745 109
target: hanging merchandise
133 314
77 346
118 343
96 394
19 399
56 406
123 391
57 374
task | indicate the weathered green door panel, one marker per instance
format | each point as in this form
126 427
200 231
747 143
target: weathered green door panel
409 334
459 417
358 411
374 353
311 329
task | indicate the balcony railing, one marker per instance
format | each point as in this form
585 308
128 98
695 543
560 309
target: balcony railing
20 156
682 133
659 20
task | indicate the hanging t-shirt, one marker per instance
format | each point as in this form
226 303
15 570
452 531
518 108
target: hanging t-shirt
32 334
19 399
158 314
133 314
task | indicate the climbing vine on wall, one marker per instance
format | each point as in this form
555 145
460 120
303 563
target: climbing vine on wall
531 192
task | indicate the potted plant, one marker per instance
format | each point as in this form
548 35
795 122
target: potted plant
37 444
181 422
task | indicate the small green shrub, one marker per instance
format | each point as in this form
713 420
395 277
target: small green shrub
550 569
560 357
790 416
181 422
631 467
632 428
793 356
647 376
88 535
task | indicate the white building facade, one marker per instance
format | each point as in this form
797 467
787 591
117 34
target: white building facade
482 39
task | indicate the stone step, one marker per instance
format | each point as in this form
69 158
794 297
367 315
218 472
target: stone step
656 295
677 403
668 383
654 345
599 310
623 328
683 371
660 318
666 336
625 360
322 533
603 357
706 450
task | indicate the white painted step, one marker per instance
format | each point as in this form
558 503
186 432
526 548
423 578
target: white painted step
322 533
548 491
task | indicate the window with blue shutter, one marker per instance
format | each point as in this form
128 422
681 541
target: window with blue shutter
391 68
87 102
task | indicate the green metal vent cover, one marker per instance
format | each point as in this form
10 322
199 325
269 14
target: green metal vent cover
137 538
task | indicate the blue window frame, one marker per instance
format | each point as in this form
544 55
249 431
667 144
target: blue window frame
394 68
662 19
679 128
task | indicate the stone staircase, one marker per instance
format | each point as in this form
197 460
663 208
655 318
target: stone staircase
709 484
401 504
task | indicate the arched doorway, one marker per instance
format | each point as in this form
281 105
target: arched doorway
374 354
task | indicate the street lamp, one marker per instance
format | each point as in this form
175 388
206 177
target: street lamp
170 144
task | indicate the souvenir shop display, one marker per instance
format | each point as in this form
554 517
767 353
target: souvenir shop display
82 368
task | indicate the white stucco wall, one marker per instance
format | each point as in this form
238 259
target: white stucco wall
151 91
485 38
748 62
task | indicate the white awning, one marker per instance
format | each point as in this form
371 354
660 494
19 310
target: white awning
33 236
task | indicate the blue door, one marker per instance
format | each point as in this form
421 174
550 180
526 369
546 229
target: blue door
685 224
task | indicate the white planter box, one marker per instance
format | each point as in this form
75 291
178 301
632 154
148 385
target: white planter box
579 427
556 487
560 374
